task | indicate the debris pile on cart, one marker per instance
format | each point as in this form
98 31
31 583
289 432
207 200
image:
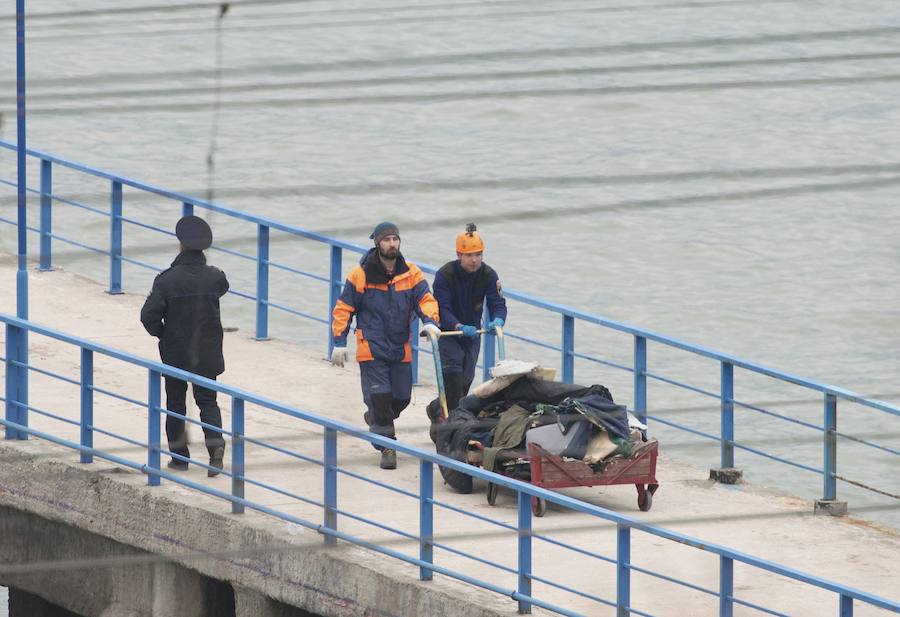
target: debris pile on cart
551 434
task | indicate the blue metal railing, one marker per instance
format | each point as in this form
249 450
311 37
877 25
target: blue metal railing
427 537
568 316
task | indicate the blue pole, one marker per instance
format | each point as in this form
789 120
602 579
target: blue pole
640 378
153 421
830 447
727 404
21 378
330 494
524 550
623 570
115 238
262 283
489 357
334 290
726 586
237 453
46 214
846 606
568 349
426 518
87 403
187 208
12 384
21 186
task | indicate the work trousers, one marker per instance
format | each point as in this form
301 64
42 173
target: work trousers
387 389
176 402
459 355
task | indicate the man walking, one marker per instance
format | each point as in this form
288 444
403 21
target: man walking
182 311
383 291
461 288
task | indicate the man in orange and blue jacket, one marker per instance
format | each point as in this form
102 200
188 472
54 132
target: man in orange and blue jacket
383 291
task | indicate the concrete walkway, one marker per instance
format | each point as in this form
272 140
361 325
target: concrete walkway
775 527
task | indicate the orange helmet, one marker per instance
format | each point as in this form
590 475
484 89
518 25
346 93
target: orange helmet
469 241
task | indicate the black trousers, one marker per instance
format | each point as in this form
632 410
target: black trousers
176 402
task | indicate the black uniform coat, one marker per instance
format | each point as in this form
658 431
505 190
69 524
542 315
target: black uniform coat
182 310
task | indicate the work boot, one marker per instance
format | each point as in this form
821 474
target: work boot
177 465
388 459
216 462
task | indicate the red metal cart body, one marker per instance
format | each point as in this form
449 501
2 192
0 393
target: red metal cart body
551 471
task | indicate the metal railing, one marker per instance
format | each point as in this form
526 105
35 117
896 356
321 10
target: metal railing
568 317
427 537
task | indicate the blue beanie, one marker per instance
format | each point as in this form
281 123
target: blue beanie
385 228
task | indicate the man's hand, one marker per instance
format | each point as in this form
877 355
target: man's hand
468 331
431 330
338 356
496 323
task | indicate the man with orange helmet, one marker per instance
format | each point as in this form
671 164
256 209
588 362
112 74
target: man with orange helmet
462 287
383 292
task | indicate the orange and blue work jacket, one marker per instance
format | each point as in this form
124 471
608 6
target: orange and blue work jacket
384 306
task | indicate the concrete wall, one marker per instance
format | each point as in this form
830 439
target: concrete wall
154 552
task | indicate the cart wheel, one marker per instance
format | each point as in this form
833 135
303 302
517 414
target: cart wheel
538 506
645 500
492 490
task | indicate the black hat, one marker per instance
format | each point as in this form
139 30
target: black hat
383 229
193 233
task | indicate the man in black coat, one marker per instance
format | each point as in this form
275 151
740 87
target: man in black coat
182 310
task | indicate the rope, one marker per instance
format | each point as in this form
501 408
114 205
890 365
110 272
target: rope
866 486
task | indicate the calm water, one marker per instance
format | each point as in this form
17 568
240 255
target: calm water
723 172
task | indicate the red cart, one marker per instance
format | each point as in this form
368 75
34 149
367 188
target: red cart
546 470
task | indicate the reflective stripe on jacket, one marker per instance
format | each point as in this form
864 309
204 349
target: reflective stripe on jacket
384 306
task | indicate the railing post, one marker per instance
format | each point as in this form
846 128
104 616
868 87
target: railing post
262 283
414 348
153 422
726 396
829 503
524 551
726 586
489 355
426 518
46 214
726 473
187 208
115 239
830 443
87 403
330 493
623 570
335 282
846 606
237 453
12 381
17 381
640 378
568 349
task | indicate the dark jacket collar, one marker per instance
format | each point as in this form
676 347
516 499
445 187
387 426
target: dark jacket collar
374 269
460 271
190 258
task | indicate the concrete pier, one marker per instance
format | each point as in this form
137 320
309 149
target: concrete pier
95 540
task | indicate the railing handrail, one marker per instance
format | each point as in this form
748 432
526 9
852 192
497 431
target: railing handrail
561 309
515 485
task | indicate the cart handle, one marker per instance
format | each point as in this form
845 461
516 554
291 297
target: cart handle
424 333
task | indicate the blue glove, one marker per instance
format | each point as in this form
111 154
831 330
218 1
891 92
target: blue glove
496 323
469 331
